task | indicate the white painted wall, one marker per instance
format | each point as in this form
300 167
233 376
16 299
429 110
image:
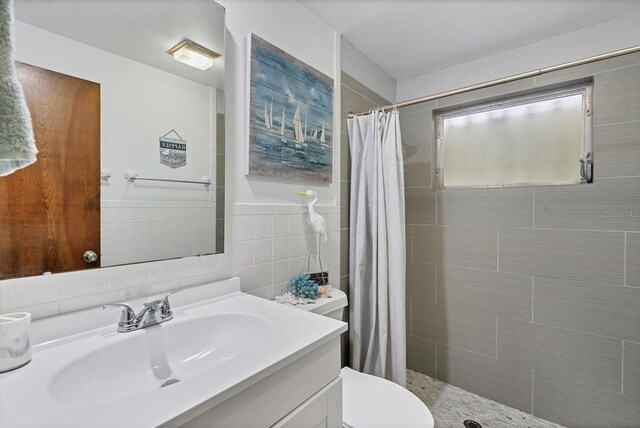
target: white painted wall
138 103
602 38
296 30
359 66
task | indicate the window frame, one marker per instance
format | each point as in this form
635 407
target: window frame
586 145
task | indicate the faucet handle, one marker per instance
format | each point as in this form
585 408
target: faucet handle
128 315
166 298
165 307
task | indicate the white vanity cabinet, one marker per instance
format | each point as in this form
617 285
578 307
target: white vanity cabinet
305 393
235 361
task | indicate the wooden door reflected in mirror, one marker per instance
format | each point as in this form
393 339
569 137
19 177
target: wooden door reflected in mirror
50 211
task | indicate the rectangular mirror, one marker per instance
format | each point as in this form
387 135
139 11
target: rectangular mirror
127 103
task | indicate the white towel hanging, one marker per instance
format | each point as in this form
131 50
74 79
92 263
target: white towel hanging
17 143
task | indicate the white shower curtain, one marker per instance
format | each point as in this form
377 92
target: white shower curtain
377 250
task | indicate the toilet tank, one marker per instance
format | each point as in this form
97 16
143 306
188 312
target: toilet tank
332 307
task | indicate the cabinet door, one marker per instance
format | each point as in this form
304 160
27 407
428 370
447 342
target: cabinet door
323 410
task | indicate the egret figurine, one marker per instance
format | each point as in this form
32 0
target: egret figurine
317 222
319 226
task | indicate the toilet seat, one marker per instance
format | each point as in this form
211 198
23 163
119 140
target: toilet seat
369 401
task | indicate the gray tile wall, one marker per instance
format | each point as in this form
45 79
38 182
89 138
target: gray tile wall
531 296
355 97
631 374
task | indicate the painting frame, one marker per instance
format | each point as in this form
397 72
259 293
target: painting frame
289 116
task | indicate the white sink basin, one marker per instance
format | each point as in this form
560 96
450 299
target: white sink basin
220 342
156 357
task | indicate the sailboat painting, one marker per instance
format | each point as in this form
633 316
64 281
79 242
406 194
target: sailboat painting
290 116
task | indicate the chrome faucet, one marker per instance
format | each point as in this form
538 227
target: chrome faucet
154 312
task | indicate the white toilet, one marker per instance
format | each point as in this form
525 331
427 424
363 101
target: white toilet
370 401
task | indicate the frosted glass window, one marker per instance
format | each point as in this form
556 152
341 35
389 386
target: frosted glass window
534 140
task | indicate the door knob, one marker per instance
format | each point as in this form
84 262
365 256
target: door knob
90 256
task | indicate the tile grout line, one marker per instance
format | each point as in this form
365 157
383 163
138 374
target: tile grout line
496 336
573 330
532 383
498 249
411 244
532 288
550 229
533 216
624 261
460 348
410 317
436 219
436 284
436 360
622 371
521 273
618 176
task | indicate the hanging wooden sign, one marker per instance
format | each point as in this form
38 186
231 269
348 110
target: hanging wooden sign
173 151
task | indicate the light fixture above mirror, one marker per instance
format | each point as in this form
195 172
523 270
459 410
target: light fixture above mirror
193 54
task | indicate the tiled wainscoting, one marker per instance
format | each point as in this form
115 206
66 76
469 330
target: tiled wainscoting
531 296
48 295
136 231
270 244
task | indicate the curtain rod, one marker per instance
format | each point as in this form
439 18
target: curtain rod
495 82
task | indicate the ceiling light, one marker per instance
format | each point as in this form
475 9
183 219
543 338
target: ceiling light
193 54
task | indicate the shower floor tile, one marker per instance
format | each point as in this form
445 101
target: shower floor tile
451 406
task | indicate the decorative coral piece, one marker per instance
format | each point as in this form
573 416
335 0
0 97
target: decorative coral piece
302 286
